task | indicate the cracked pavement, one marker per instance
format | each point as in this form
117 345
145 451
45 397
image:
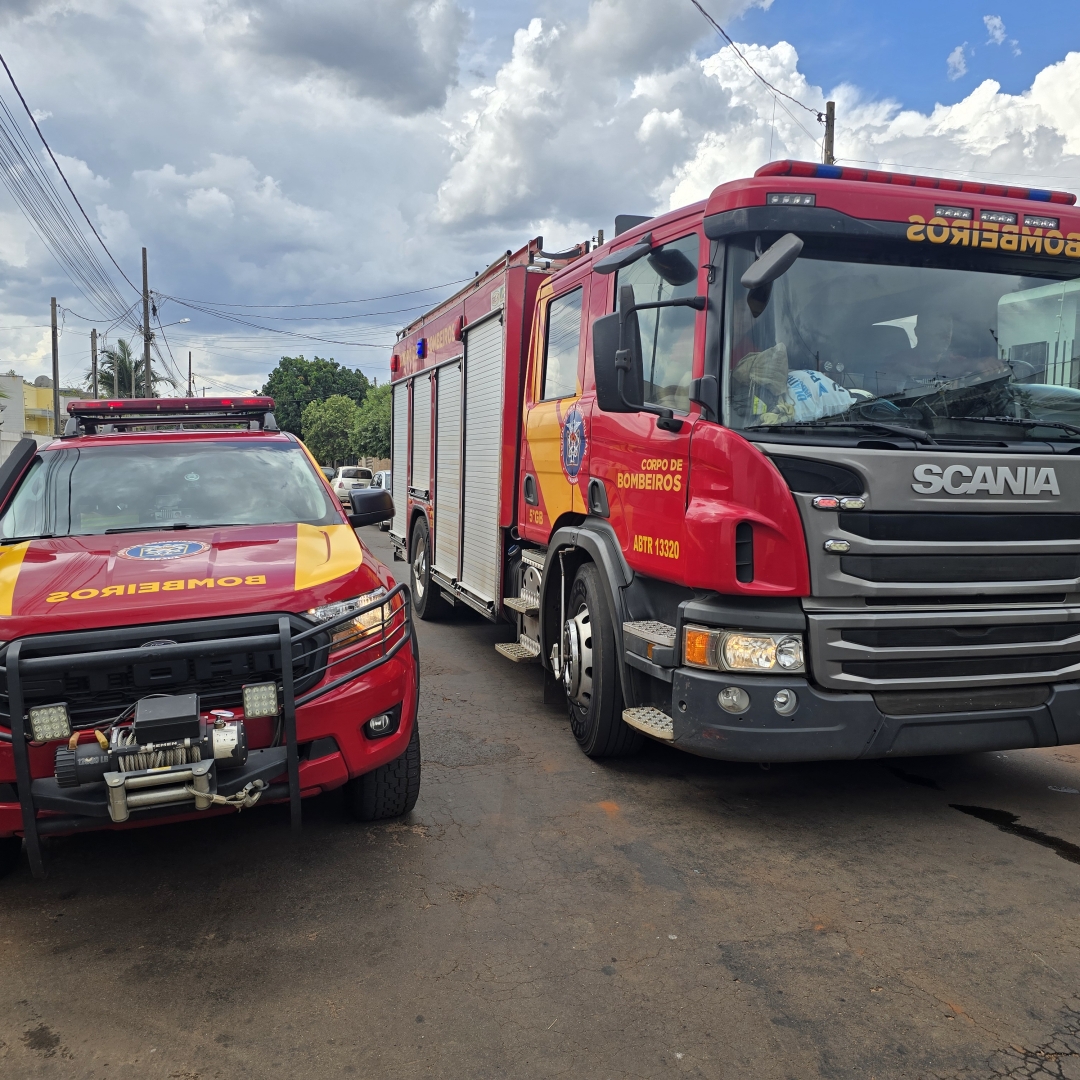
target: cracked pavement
542 915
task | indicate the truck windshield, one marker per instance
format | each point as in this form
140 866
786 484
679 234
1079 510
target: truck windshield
912 346
125 488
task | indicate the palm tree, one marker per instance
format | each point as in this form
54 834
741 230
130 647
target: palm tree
118 366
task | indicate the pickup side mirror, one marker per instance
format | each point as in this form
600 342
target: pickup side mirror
370 506
766 268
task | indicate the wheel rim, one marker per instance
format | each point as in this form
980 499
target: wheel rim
577 658
419 567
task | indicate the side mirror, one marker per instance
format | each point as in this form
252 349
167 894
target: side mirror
605 336
370 506
766 268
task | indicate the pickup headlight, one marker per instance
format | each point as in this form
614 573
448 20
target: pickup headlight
365 624
737 650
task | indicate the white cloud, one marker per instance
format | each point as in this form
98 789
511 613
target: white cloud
956 63
995 27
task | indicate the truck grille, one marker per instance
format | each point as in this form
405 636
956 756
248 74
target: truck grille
947 649
941 569
95 691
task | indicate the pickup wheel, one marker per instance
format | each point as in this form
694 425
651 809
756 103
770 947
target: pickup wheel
391 790
591 674
10 853
427 600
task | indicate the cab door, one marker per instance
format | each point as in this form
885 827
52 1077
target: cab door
555 424
644 468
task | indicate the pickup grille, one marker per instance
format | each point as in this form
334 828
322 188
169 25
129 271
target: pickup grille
946 649
95 691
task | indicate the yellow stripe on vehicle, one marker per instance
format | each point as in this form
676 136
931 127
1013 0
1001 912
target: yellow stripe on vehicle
11 559
325 552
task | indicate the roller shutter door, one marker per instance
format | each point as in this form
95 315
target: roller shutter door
447 470
399 460
483 446
420 478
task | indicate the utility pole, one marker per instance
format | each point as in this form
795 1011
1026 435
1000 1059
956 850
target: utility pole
189 373
827 155
93 362
146 331
55 372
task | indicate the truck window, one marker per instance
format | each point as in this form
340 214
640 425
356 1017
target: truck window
561 347
667 335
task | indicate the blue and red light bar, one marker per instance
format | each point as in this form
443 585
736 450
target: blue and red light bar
104 408
812 170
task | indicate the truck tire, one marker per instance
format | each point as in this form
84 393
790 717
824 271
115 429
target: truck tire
428 602
10 853
590 672
389 791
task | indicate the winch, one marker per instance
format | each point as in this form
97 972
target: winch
168 754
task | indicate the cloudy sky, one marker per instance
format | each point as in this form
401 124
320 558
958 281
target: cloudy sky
309 152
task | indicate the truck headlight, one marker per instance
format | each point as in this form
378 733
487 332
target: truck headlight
368 622
737 650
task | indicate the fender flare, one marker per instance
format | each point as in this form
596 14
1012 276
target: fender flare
596 542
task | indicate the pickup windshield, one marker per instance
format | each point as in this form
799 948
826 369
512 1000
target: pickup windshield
912 346
168 485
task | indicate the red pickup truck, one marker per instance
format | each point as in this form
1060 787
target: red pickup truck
189 625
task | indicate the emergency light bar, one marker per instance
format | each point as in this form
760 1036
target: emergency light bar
811 170
88 417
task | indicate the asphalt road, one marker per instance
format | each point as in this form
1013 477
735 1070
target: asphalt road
540 915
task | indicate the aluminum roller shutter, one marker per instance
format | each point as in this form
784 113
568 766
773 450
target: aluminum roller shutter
399 458
483 446
447 470
420 478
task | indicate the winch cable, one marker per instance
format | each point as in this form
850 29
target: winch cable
246 797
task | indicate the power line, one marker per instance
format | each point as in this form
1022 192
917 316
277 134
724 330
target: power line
61 171
323 303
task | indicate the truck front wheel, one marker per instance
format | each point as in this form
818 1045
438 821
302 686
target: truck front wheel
427 600
590 672
389 791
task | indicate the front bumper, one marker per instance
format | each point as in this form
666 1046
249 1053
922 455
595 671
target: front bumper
321 743
836 726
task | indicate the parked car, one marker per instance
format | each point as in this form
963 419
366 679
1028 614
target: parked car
328 472
347 478
382 480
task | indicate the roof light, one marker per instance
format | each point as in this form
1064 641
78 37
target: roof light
962 213
997 217
790 198
1034 221
842 172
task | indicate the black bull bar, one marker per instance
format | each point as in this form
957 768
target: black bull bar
294 648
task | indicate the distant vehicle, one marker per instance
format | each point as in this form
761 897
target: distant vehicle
347 478
382 480
328 472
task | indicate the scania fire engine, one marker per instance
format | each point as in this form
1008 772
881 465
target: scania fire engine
792 473
189 625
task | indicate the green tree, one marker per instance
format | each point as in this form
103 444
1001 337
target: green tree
297 382
327 427
371 432
117 366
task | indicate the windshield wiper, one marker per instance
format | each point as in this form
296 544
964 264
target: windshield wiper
23 539
1021 421
149 528
868 425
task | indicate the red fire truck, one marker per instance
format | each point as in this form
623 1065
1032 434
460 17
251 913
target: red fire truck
190 626
792 473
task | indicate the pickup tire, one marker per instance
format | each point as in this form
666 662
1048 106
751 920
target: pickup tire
428 602
596 719
389 791
10 854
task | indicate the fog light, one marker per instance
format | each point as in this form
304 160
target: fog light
785 702
48 722
260 699
734 699
383 724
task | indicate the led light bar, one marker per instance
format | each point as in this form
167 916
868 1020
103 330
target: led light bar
871 176
49 722
260 699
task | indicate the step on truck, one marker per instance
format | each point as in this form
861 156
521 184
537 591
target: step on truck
789 474
190 626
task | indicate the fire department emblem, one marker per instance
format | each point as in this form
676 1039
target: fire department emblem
573 442
164 549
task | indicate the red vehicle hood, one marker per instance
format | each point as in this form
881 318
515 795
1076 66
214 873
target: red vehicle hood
80 582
